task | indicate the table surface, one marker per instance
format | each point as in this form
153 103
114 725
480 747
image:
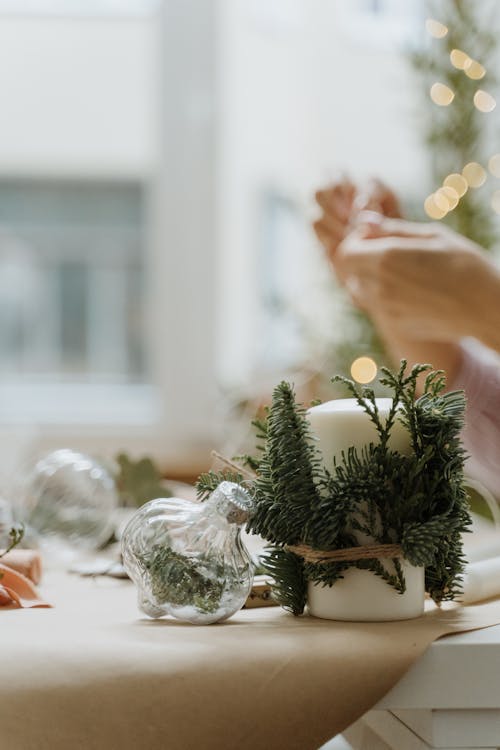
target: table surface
462 670
457 671
94 674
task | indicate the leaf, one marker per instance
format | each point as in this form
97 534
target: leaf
139 481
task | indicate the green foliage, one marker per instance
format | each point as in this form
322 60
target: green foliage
177 579
420 541
418 501
285 490
138 481
287 571
15 536
210 480
253 462
457 134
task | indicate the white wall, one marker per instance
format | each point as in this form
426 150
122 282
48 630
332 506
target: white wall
301 97
77 95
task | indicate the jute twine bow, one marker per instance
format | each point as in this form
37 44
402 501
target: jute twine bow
365 552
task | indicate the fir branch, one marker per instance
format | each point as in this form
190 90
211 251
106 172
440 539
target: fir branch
248 461
208 482
289 587
286 488
178 580
253 462
420 541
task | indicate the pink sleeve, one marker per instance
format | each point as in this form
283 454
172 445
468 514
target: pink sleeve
479 376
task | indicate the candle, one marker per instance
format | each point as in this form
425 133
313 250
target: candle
342 423
359 595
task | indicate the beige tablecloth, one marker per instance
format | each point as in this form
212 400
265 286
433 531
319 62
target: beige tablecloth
93 674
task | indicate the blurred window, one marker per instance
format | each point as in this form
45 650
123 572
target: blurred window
71 274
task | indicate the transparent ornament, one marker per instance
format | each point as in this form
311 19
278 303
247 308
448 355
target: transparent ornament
69 500
6 523
187 559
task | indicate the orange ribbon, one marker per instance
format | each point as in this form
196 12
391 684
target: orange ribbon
17 591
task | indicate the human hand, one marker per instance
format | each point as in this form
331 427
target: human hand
419 281
341 204
337 203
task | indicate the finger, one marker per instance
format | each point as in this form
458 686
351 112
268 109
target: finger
330 223
330 233
377 196
390 206
347 192
375 225
388 258
337 200
393 255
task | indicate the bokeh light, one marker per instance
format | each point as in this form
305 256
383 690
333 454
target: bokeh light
457 183
475 174
474 70
441 201
450 196
432 209
364 370
459 59
484 102
495 201
441 94
494 165
435 28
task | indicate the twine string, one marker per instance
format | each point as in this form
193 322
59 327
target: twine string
364 552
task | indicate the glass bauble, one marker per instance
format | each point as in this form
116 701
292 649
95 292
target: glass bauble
70 499
187 559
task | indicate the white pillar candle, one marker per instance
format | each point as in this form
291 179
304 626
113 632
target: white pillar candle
360 595
342 423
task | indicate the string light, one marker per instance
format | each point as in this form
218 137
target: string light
494 165
449 195
459 59
495 201
432 209
364 370
435 28
484 102
474 70
446 198
441 201
475 174
458 183
441 94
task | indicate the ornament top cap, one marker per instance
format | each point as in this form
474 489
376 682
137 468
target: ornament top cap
233 501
